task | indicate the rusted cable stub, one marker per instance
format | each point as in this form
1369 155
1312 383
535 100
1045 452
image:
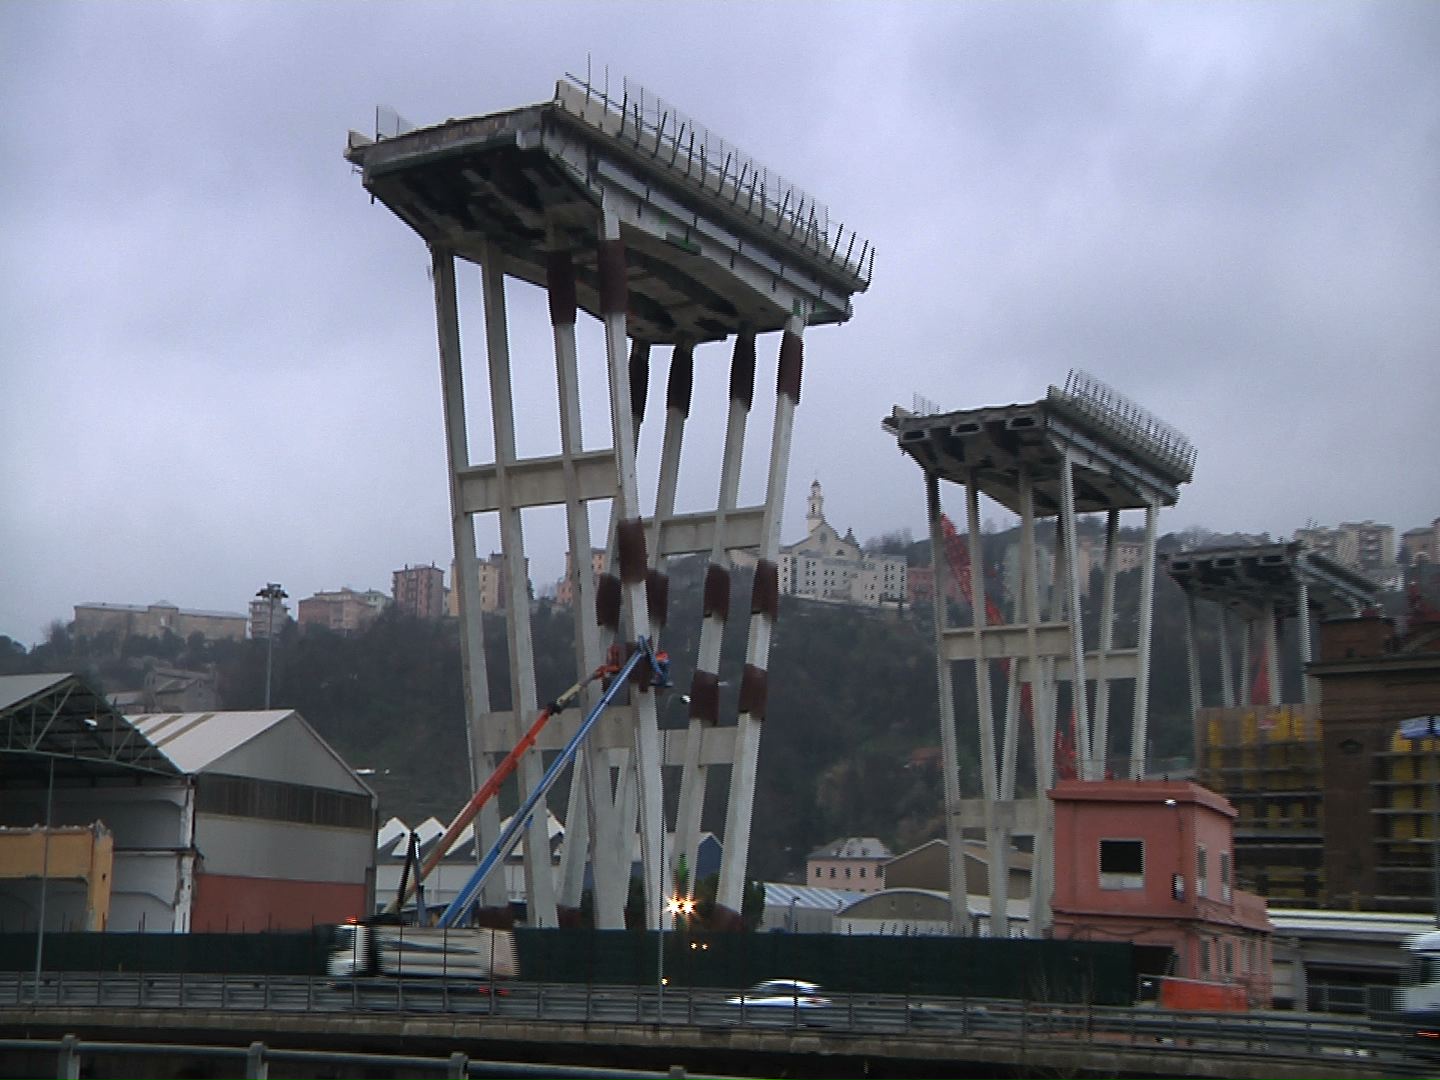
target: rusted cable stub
630 539
754 688
614 288
765 593
742 369
560 285
607 602
682 380
792 356
657 597
639 380
705 697
717 592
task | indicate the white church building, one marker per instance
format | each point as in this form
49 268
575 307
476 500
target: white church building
830 567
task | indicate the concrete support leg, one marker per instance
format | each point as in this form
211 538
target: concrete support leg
997 836
1303 631
949 742
581 808
1084 746
657 582
1140 724
764 608
630 545
1227 667
467 571
1247 667
1042 867
1272 653
704 709
616 836
1107 643
1192 659
539 871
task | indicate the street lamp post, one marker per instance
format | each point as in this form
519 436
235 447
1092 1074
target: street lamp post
271 592
1414 730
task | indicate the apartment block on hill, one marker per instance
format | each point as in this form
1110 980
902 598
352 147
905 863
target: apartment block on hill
345 611
157 619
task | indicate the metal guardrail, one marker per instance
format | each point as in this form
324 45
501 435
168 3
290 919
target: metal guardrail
71 1051
1296 1038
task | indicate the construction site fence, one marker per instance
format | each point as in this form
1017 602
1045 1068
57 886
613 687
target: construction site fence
1101 973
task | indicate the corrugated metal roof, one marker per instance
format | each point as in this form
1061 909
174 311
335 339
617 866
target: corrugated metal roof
58 720
195 740
809 896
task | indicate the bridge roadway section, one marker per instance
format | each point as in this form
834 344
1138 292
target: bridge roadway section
617 1028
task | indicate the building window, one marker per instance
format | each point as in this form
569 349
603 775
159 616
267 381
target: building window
1229 957
862 871
1122 864
847 873
1200 883
1204 956
832 873
817 873
1225 875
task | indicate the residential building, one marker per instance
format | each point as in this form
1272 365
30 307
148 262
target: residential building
1422 544
344 610
1359 545
565 587
1151 862
492 584
419 591
854 864
260 617
155 620
830 567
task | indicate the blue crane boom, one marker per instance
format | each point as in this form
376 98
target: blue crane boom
468 893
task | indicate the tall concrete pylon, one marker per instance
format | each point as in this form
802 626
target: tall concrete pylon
620 207
1081 449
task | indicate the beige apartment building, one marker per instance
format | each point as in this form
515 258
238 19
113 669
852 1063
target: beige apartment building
155 620
344 611
854 863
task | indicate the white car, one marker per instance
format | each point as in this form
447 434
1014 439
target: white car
781 994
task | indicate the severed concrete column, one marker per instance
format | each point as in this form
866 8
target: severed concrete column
539 871
705 683
949 742
467 572
764 608
630 547
588 797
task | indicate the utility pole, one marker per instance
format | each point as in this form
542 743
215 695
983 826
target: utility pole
271 592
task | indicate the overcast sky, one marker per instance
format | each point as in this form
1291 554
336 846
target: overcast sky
218 362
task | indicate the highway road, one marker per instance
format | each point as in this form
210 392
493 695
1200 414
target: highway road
1277 1036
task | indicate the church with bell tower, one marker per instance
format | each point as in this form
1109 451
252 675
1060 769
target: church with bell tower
830 567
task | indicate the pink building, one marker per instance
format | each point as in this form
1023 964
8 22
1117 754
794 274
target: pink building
1153 862
856 863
